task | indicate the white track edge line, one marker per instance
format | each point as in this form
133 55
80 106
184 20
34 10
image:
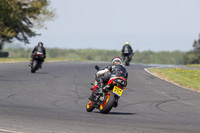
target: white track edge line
2 130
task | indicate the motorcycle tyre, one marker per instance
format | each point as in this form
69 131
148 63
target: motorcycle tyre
108 104
126 60
34 66
90 106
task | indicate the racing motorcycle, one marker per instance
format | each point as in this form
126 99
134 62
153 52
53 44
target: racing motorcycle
37 62
108 99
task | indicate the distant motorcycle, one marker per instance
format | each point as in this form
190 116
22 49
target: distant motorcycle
37 62
110 96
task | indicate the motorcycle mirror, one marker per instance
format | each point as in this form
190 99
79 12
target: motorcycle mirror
97 68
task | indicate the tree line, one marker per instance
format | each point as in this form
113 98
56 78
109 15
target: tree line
147 57
193 56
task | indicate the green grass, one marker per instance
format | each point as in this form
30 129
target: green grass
193 65
183 77
4 60
14 59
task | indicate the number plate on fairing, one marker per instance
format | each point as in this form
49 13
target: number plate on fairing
118 91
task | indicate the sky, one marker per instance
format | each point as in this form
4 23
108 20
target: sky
157 25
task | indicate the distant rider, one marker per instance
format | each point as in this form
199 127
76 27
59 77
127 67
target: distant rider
39 48
115 69
127 51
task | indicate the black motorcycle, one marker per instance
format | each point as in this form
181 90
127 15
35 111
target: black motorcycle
37 62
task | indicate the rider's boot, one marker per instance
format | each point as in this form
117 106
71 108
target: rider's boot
93 96
100 85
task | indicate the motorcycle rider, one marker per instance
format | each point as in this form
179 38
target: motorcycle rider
116 69
127 51
38 48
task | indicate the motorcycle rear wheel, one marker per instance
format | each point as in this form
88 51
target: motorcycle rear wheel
90 106
126 61
108 104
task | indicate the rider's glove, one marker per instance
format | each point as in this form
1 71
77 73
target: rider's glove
102 72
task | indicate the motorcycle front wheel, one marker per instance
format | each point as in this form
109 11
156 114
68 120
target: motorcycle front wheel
108 104
34 66
90 106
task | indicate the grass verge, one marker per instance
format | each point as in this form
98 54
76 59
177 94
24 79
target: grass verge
7 60
184 77
4 60
193 65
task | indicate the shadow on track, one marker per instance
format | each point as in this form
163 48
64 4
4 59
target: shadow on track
117 113
41 73
121 113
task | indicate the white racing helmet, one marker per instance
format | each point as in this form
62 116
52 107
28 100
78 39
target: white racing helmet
117 60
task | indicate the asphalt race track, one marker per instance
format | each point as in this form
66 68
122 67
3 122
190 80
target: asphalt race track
53 100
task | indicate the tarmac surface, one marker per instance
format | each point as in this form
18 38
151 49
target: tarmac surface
53 100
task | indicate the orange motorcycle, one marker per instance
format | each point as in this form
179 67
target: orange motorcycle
108 99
